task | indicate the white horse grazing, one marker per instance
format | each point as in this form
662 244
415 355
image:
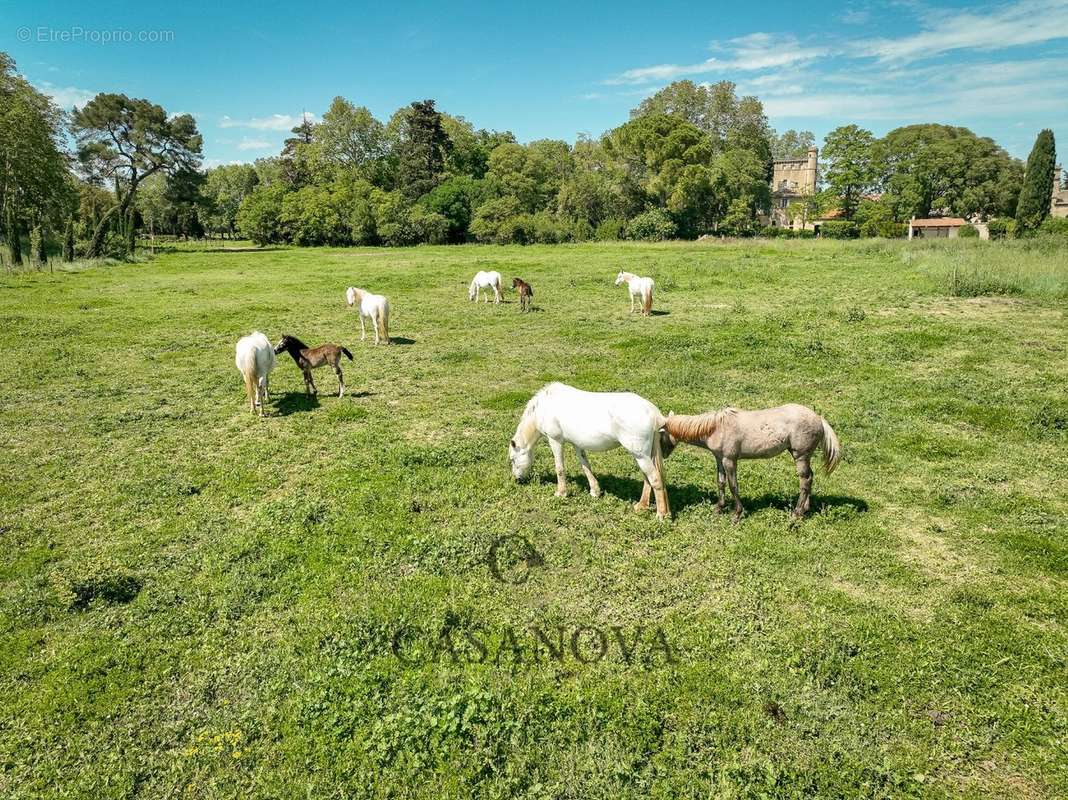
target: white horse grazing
374 307
595 421
638 287
485 280
255 360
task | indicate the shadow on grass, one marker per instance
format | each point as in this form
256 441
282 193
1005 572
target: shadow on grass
782 502
657 313
685 495
400 340
295 402
680 495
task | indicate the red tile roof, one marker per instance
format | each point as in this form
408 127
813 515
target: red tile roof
939 222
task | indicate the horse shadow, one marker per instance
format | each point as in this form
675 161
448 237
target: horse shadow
785 502
295 402
680 495
658 313
400 340
686 495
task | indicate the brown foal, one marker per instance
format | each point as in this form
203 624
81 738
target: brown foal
308 358
526 293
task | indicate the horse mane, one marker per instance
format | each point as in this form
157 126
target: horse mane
294 343
694 427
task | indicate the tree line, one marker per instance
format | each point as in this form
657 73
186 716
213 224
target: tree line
691 160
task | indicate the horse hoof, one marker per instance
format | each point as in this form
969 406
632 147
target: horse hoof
595 492
736 519
639 507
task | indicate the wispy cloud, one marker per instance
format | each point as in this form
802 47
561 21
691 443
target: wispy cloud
65 96
274 122
990 62
253 144
757 51
946 30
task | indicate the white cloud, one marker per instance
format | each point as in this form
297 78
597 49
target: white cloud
253 144
757 51
1020 23
65 96
208 163
274 122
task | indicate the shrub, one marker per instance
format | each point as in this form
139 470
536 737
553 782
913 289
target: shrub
839 229
543 229
259 217
653 225
495 221
610 230
968 232
430 226
1055 226
1002 228
892 230
577 230
311 216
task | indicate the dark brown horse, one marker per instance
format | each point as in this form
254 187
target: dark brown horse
308 358
526 293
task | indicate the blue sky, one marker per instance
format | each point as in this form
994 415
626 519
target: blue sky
555 69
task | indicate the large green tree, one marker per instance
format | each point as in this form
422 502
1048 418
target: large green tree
225 188
925 169
35 185
421 150
850 153
792 144
125 140
351 138
1037 190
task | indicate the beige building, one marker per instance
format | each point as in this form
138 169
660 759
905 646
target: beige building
1058 206
792 179
936 227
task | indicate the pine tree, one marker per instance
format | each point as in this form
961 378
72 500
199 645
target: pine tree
1037 190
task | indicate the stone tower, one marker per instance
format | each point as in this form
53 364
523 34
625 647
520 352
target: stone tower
792 178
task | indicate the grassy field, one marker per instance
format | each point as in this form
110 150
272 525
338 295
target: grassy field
198 603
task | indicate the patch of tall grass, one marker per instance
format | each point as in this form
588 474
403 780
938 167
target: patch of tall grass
1035 267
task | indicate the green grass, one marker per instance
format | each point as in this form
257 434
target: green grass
199 603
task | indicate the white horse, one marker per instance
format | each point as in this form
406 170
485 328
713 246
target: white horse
595 421
485 280
374 307
638 287
255 360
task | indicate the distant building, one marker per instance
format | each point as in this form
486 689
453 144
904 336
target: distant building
792 179
936 228
1058 205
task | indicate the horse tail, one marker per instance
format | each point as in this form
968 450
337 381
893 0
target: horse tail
530 290
383 321
347 353
248 372
647 300
832 451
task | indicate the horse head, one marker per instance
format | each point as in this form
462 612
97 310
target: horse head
521 458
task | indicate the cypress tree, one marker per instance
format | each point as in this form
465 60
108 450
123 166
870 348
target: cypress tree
1037 190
